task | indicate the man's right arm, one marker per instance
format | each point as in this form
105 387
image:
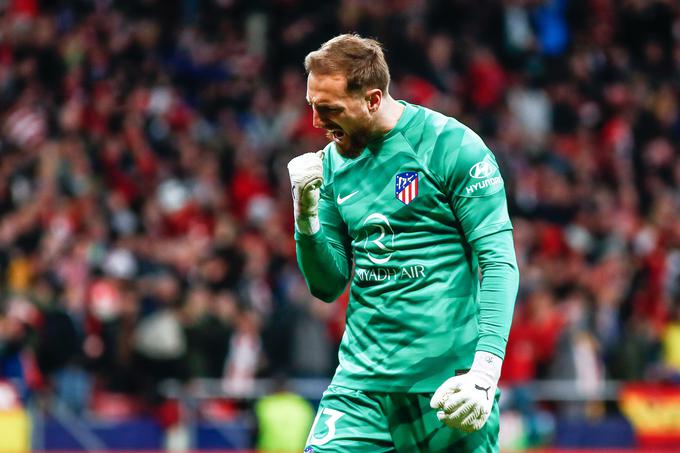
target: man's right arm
323 246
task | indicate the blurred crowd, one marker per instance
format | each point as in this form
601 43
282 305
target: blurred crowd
145 213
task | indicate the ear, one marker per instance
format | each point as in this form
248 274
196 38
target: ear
373 99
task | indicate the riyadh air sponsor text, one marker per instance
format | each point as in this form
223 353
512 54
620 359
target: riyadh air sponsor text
379 274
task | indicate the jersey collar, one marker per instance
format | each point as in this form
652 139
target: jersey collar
404 120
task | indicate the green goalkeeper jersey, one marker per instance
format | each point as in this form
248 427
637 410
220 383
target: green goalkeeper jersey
402 221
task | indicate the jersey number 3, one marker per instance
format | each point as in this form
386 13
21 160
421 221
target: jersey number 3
333 417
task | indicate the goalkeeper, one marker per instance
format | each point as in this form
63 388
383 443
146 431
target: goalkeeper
409 204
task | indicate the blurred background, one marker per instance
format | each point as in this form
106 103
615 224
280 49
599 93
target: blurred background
149 295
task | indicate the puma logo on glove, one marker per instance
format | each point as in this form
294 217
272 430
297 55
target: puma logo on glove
486 390
460 400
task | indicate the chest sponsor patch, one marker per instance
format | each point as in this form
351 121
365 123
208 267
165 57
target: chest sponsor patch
406 186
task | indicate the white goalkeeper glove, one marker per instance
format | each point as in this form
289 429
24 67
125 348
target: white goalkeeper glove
306 177
465 401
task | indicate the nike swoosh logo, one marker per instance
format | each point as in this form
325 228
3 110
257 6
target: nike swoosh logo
341 200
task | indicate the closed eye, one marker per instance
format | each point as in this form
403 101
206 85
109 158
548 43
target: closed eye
322 109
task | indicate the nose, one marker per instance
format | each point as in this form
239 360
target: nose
316 119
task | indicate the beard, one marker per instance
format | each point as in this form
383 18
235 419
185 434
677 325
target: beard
349 144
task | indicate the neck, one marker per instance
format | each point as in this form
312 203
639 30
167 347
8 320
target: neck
388 115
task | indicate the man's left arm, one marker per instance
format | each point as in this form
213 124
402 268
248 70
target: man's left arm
479 203
495 252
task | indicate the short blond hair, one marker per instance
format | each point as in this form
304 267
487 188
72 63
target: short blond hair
360 60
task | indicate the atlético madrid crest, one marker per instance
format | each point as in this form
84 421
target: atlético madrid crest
406 186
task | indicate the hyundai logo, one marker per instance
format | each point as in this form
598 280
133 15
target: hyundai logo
482 170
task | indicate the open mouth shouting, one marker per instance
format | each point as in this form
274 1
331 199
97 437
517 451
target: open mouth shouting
337 135
349 145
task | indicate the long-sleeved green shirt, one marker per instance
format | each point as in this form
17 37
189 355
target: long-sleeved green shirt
411 222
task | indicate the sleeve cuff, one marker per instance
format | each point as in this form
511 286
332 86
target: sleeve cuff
490 345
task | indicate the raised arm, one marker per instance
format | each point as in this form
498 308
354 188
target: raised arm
322 244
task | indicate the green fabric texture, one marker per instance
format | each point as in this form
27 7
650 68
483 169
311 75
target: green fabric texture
357 421
416 312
